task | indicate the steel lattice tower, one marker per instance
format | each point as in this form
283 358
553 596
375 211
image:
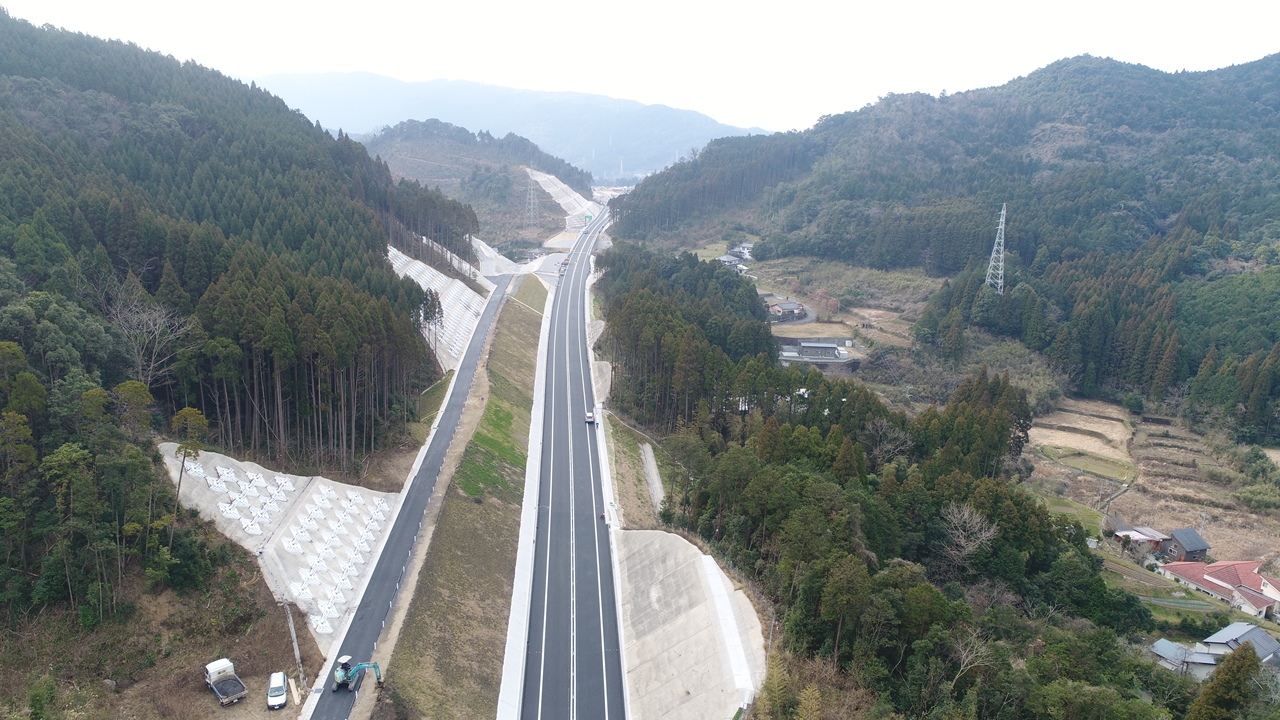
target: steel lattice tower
995 270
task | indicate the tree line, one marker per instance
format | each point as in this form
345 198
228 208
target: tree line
900 550
1143 323
236 251
181 254
510 148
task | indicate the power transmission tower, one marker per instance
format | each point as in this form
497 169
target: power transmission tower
534 211
995 271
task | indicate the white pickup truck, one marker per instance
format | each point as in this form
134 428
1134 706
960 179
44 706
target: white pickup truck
220 676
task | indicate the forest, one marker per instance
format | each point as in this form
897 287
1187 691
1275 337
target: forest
510 148
1143 234
899 551
182 254
484 172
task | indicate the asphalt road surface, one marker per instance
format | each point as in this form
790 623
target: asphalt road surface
573 668
384 583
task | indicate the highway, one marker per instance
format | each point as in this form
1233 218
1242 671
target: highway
573 667
384 583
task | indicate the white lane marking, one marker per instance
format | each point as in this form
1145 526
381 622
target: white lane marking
551 496
573 528
604 663
558 326
577 329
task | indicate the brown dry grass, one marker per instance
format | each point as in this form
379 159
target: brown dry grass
1087 426
157 656
1274 454
813 329
386 470
1171 490
875 306
1233 533
1058 437
630 488
448 657
899 291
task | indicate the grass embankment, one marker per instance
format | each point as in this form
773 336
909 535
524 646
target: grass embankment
630 486
712 250
448 659
428 405
1089 518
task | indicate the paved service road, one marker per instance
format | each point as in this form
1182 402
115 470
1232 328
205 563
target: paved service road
384 582
573 668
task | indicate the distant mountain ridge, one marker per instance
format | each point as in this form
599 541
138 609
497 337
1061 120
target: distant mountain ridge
1088 152
608 137
1143 233
483 171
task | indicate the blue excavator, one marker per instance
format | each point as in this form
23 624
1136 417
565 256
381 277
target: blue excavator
345 674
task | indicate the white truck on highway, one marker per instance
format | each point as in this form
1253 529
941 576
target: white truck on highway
220 676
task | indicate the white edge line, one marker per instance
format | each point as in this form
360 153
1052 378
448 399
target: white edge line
615 532
512 690
340 635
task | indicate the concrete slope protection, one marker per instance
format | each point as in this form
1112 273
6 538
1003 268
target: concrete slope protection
312 536
573 666
384 583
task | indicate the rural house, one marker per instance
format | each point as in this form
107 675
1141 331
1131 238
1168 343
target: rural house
1142 538
1238 633
1236 582
1183 660
1185 545
1200 661
786 310
824 351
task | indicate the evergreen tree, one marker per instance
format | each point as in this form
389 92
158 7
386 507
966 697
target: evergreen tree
1230 689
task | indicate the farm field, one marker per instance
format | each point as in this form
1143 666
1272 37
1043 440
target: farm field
1155 472
876 306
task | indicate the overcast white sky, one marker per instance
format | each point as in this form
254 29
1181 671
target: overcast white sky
776 65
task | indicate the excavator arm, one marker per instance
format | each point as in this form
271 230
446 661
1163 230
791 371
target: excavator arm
346 673
377 672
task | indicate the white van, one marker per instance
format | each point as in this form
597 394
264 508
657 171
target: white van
276 697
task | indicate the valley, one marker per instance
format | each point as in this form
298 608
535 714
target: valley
771 431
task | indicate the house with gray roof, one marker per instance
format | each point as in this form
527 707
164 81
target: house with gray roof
1184 660
1184 545
1236 634
1200 661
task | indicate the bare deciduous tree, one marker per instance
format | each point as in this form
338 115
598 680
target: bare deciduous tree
970 650
887 440
988 594
968 532
153 334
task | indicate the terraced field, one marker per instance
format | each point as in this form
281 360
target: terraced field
1146 471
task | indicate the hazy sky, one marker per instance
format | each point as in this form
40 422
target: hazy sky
776 65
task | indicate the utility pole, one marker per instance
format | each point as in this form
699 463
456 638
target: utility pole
995 270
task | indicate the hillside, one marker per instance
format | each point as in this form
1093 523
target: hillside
180 254
1144 222
482 171
607 137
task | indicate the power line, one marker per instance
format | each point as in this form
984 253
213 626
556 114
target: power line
995 270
